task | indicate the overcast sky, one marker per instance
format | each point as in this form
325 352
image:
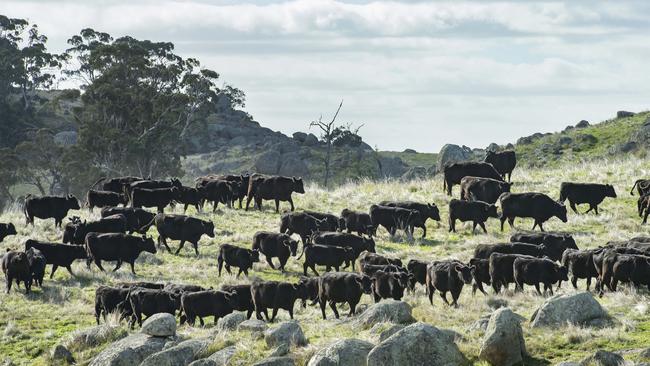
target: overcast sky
417 74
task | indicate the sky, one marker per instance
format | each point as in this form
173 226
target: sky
416 74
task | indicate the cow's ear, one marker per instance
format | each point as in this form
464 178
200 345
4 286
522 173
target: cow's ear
458 267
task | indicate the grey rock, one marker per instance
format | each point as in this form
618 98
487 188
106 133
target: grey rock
410 151
603 358
268 162
61 354
231 321
311 140
94 336
398 312
345 352
390 331
568 364
131 350
281 350
417 344
510 146
564 141
253 325
624 114
179 355
203 362
276 361
568 128
496 303
503 343
642 135
159 325
299 136
480 324
286 333
451 153
392 167
625 147
221 357
582 124
586 138
559 310
493 147
416 172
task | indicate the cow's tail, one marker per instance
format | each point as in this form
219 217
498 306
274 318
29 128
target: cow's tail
634 186
25 207
444 184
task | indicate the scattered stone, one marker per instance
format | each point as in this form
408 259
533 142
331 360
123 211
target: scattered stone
624 114
252 325
179 355
603 358
510 146
281 350
131 350
410 151
582 124
398 312
220 358
568 128
578 309
503 343
61 354
586 138
159 325
276 361
95 336
231 321
451 153
564 141
417 344
480 324
394 328
299 136
286 333
626 147
391 167
348 352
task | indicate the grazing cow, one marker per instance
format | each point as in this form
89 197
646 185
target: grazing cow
357 221
300 223
190 196
15 266
418 271
502 270
110 299
483 251
117 184
329 222
103 199
148 302
244 300
482 189
537 206
276 295
358 244
234 256
447 276
220 191
378 259
590 193
7 230
37 263
480 273
389 285
49 207
136 218
157 197
631 268
327 256
116 247
180 227
151 184
642 186
275 188
580 265
339 287
58 255
426 210
394 218
207 303
455 172
477 212
504 162
533 271
275 245
75 231
556 243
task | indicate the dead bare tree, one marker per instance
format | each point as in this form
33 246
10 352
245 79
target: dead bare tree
327 129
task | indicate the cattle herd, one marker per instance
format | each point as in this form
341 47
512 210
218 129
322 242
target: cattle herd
331 241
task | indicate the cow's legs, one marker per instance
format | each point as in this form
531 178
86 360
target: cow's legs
270 262
180 246
119 264
277 206
573 206
482 224
54 267
322 307
274 313
336 312
132 267
98 262
291 203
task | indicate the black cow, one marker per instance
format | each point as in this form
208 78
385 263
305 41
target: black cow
590 193
15 266
49 207
190 196
447 276
234 256
378 259
389 285
311 290
358 244
418 271
110 299
300 223
220 191
329 222
37 263
394 218
631 268
644 207
207 303
476 211
371 269
275 245
480 273
556 243
117 184
143 284
327 256
148 302
502 270
426 210
504 161
151 184
483 251
276 295
244 300
157 197
58 255
116 247
357 221
456 171
7 230
238 190
273 188
75 231
180 289
136 218
580 265
180 227
533 271
103 199
482 189
537 206
642 186
339 287
604 260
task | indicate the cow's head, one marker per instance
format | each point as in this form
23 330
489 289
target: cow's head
365 283
369 245
68 232
301 291
254 255
609 191
464 272
491 211
489 155
561 212
298 185
208 226
433 212
72 202
341 224
232 299
562 273
292 245
148 245
349 254
11 229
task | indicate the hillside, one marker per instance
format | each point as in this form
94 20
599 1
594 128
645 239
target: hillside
33 324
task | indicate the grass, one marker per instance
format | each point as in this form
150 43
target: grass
32 324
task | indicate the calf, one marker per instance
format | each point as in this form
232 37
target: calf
418 271
190 196
158 197
116 247
300 223
556 243
275 245
327 256
103 199
394 218
110 299
482 189
220 191
454 173
537 206
276 295
207 303
476 211
357 221
136 218
234 256
7 230
631 268
273 188
58 255
75 231
244 301
339 287
148 302
580 264
590 193
180 227
642 186
504 162
447 276
426 210
378 259
389 285
15 266
37 263
344 240
240 184
502 270
480 273
484 251
533 271
49 207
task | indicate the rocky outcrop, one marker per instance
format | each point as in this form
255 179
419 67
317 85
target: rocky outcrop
579 309
159 325
131 350
349 352
603 358
583 124
451 153
393 311
219 358
95 336
289 333
276 361
624 114
61 354
179 355
231 321
503 343
252 325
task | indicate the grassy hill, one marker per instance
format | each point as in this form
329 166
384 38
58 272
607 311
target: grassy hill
32 324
